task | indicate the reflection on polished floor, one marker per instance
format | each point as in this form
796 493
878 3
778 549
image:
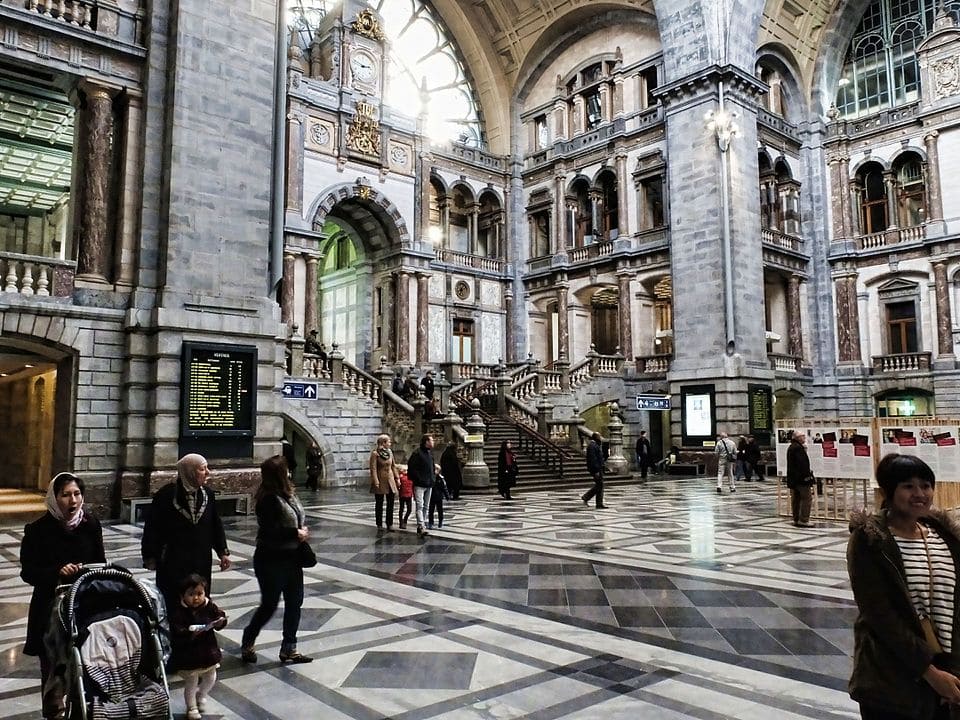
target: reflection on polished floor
675 603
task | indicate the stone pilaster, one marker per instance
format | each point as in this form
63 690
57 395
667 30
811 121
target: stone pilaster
625 315
944 319
838 185
934 193
95 250
563 322
403 317
890 182
559 240
508 329
623 222
310 297
794 318
423 318
287 298
295 143
848 320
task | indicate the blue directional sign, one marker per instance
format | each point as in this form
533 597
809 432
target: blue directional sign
653 402
300 390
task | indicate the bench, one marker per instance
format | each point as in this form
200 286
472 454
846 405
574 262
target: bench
135 506
682 468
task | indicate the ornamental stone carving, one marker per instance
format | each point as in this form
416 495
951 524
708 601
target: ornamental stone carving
946 77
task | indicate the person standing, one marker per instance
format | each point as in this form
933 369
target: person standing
903 564
507 469
384 480
427 385
595 468
800 479
644 454
54 549
741 467
314 466
726 453
450 467
281 528
752 458
182 528
420 468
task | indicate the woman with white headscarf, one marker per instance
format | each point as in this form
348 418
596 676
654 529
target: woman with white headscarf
181 529
55 548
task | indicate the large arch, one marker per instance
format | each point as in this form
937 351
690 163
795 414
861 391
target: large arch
356 200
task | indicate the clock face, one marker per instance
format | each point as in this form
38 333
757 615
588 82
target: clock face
364 68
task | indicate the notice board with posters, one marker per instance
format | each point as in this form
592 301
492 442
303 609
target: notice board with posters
936 441
839 449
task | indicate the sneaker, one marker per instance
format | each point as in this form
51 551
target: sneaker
294 657
201 703
193 714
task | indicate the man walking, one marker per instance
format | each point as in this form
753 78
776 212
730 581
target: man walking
726 461
420 468
595 467
752 459
644 453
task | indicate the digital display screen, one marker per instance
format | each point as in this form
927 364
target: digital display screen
699 414
218 390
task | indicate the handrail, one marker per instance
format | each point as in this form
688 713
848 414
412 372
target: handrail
391 396
525 413
360 381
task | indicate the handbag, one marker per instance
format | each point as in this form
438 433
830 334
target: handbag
926 624
306 556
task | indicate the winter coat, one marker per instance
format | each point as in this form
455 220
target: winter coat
507 470
406 485
384 476
753 454
177 545
798 466
450 467
47 546
420 467
594 457
194 651
890 653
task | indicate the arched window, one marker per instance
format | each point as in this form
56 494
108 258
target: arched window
881 70
421 50
911 190
489 234
873 199
582 214
609 205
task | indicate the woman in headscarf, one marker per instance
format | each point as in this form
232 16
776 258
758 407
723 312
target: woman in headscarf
55 548
182 528
281 528
384 479
507 469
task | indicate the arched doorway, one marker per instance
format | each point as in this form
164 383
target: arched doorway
341 285
909 402
605 320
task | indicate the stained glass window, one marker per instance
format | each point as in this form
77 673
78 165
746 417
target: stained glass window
421 52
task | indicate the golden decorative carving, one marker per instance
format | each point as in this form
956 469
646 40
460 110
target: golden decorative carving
364 192
367 25
363 136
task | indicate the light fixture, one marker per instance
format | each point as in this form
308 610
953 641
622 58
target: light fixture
843 82
722 122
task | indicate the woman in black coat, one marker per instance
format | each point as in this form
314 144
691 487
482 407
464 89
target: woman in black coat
54 550
450 467
507 469
182 528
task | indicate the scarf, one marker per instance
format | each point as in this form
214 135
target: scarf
384 453
294 502
53 507
190 500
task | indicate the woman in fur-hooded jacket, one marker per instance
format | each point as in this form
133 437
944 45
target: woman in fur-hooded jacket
896 674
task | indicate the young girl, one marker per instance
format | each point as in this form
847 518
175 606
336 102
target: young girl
406 496
195 653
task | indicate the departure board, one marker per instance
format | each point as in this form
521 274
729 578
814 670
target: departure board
219 389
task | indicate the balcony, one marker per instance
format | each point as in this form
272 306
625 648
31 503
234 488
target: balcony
893 236
780 240
32 276
653 365
902 362
121 21
784 363
478 262
591 252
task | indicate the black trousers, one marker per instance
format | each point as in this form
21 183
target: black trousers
596 490
436 503
378 509
868 712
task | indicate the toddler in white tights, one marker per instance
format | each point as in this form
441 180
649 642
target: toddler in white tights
195 652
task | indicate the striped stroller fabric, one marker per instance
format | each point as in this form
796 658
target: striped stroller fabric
111 660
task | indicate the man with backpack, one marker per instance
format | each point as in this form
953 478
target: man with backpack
726 452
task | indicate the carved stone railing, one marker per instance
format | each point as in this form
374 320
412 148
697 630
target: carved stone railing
891 237
606 364
650 236
784 363
657 365
878 122
904 362
521 413
315 367
540 263
524 387
474 156
37 276
776 123
399 420
459 372
591 251
779 239
103 17
593 137
360 382
580 373
452 257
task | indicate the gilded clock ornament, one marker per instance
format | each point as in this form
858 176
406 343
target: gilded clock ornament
363 67
462 289
367 25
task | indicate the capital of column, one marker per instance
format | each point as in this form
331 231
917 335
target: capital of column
931 137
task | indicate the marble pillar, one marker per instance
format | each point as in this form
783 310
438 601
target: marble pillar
403 317
850 213
508 330
890 182
944 319
559 240
837 185
474 229
310 296
94 252
794 319
625 316
563 326
286 299
423 318
934 193
848 319
295 140
623 224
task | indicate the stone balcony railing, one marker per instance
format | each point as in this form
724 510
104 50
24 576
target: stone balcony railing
902 362
779 239
591 251
31 275
777 123
784 363
892 236
655 365
452 257
118 19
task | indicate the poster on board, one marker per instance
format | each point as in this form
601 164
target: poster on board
936 445
841 451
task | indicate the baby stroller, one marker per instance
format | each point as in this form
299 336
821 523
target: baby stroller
104 642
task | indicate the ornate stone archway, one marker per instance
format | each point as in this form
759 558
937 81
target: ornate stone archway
355 199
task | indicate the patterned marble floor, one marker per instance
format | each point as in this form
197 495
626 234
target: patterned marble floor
675 603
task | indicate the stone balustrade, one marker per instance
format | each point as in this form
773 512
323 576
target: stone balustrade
458 372
36 276
591 251
361 383
779 239
315 367
524 387
784 363
452 257
902 362
521 414
103 17
656 365
580 373
891 237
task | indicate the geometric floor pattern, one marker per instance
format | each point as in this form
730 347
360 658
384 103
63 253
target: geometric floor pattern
675 603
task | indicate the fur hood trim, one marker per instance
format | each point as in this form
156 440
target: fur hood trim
874 525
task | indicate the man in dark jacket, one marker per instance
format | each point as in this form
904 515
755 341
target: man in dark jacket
421 470
450 467
595 467
644 454
800 479
752 459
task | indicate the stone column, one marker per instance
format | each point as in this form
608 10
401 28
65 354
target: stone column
579 121
559 241
403 317
508 331
563 328
423 318
286 300
595 210
476 474
794 318
852 219
310 296
848 320
445 222
944 319
934 194
623 225
626 326
618 83
560 120
295 139
605 104
838 184
850 215
890 182
94 252
131 192
474 228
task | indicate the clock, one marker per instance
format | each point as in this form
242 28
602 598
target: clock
364 68
462 290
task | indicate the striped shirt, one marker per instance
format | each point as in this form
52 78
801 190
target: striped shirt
918 582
